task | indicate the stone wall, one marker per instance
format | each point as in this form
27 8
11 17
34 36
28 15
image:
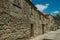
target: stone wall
20 23
11 27
14 24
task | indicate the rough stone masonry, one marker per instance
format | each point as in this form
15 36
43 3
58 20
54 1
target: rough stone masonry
19 20
13 24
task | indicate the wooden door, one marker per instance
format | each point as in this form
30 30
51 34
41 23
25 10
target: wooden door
42 28
32 32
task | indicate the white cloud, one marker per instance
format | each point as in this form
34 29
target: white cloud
56 12
42 7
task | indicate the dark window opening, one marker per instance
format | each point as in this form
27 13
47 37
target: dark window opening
17 3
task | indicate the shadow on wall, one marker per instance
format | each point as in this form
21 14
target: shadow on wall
47 39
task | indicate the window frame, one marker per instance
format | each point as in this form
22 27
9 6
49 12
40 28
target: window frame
17 3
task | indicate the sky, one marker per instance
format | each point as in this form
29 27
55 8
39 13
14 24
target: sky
47 6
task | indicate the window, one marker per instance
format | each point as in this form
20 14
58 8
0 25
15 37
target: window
17 3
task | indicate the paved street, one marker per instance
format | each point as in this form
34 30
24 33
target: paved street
53 35
57 37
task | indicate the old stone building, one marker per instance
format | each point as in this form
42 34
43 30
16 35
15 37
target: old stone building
14 20
52 23
20 20
49 22
44 23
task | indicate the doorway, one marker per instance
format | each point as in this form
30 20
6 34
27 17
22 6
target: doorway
42 28
32 32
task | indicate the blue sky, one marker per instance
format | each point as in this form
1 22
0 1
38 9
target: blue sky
48 6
